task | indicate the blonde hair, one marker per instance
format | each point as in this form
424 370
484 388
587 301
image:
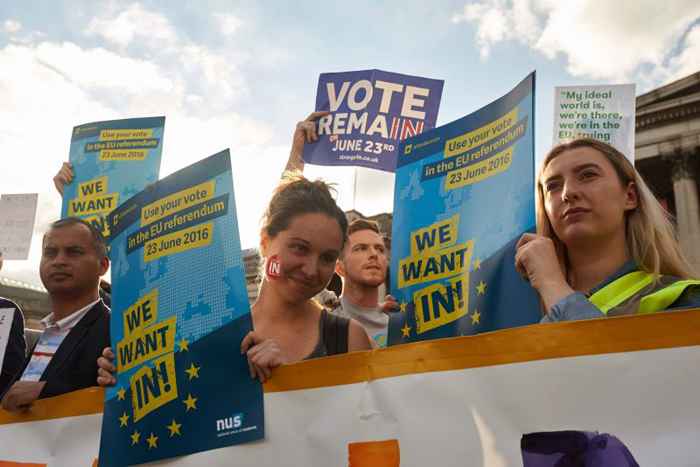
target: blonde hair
650 235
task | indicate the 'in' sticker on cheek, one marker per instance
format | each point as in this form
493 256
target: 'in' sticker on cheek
273 268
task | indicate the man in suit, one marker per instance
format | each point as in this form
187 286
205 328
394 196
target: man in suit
77 329
15 346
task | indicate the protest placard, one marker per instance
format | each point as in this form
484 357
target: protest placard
605 113
462 199
179 312
371 112
17 217
112 161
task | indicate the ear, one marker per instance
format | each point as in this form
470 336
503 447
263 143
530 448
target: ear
264 243
104 266
340 268
631 197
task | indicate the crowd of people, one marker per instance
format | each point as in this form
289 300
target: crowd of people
604 247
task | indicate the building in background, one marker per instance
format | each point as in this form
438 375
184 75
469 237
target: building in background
667 154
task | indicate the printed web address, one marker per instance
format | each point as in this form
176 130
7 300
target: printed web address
358 157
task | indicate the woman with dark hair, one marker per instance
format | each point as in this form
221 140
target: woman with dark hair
604 245
302 236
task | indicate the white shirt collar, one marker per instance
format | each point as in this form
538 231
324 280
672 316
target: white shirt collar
70 320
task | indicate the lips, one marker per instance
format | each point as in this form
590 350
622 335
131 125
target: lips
59 275
573 212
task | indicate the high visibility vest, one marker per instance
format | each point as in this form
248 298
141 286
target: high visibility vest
624 288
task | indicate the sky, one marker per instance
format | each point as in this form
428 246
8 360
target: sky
239 75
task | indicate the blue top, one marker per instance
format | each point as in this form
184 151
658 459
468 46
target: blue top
577 306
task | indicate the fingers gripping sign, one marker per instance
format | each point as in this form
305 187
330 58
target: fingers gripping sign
63 177
305 132
106 369
536 260
263 355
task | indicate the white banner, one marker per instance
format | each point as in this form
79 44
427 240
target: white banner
605 113
17 215
454 402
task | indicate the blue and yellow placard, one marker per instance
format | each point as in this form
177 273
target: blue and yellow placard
180 311
464 194
112 161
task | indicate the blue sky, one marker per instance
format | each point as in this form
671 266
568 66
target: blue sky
241 74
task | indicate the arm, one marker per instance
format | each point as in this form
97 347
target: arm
16 350
357 337
536 260
305 132
572 307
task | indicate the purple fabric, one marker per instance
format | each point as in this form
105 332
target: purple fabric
574 449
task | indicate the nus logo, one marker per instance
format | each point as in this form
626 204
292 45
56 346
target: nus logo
234 421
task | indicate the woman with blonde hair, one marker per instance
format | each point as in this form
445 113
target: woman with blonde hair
604 245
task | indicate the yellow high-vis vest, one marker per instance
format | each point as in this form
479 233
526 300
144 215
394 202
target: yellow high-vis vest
624 288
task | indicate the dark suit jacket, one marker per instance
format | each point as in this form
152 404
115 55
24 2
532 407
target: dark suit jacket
16 350
74 365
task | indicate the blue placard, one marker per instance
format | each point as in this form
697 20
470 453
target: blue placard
372 111
180 311
112 161
464 195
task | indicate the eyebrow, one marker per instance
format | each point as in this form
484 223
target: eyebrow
576 169
298 239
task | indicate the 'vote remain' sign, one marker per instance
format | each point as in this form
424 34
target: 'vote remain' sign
371 111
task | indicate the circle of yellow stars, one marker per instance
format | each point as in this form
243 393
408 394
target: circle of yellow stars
174 428
475 315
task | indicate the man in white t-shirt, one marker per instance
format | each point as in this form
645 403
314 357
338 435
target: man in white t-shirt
77 329
363 265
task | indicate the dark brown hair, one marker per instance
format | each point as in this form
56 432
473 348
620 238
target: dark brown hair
295 196
98 240
363 224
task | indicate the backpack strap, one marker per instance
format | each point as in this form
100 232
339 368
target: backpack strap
335 332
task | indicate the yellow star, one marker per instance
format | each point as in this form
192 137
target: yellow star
190 403
406 330
174 428
481 288
184 345
121 393
152 441
402 307
476 316
123 419
477 264
135 437
193 371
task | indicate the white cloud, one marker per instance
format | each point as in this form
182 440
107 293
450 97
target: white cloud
47 87
599 40
134 23
228 24
11 26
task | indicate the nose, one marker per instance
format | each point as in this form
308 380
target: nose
570 191
310 267
59 259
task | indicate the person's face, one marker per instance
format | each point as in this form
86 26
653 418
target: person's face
70 264
584 197
307 251
364 259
